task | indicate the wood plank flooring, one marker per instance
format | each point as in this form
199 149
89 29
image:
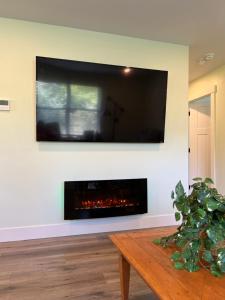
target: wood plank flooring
79 267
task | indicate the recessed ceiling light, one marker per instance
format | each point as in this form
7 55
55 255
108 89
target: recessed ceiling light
207 57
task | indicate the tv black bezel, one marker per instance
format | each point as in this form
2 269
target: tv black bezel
103 142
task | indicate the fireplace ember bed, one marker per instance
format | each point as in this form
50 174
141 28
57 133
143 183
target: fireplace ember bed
104 198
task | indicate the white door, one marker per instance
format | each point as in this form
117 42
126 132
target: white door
199 139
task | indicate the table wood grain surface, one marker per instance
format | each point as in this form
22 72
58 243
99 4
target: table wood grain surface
154 265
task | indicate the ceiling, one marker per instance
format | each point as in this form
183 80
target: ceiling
197 23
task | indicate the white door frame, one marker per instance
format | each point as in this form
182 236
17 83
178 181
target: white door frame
212 95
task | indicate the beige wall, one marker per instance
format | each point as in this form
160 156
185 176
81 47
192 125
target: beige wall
203 86
32 173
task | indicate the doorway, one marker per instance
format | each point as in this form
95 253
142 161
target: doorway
201 138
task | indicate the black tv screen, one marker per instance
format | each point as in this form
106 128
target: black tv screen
91 102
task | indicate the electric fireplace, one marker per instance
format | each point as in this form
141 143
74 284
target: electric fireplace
104 198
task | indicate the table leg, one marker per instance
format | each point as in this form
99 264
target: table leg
124 277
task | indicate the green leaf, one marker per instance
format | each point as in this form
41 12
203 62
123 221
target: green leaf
164 241
221 265
157 241
215 233
211 204
207 256
179 205
221 208
221 253
212 235
182 205
172 194
219 197
209 244
177 216
185 209
195 245
190 266
201 213
197 179
191 220
187 253
221 259
215 271
181 242
179 189
208 180
176 256
178 265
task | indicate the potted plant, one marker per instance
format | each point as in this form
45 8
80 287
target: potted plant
200 239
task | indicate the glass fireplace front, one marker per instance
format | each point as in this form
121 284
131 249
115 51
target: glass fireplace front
104 198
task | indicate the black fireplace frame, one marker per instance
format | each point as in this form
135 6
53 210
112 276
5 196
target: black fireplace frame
71 214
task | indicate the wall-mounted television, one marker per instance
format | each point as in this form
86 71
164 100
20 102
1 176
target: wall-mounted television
91 102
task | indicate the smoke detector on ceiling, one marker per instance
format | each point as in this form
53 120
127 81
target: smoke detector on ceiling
207 57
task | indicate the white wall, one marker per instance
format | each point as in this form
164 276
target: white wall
203 86
32 173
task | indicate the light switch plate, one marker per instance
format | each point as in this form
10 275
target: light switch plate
4 105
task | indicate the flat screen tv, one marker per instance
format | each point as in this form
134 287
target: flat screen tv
90 102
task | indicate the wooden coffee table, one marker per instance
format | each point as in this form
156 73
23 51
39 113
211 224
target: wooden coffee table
153 264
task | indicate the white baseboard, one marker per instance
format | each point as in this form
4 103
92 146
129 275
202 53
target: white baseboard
85 227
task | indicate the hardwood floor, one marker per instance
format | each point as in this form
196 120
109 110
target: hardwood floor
79 267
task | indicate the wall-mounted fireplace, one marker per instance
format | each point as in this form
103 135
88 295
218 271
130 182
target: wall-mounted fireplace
104 198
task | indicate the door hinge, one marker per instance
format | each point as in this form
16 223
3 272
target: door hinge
189 150
189 113
189 187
